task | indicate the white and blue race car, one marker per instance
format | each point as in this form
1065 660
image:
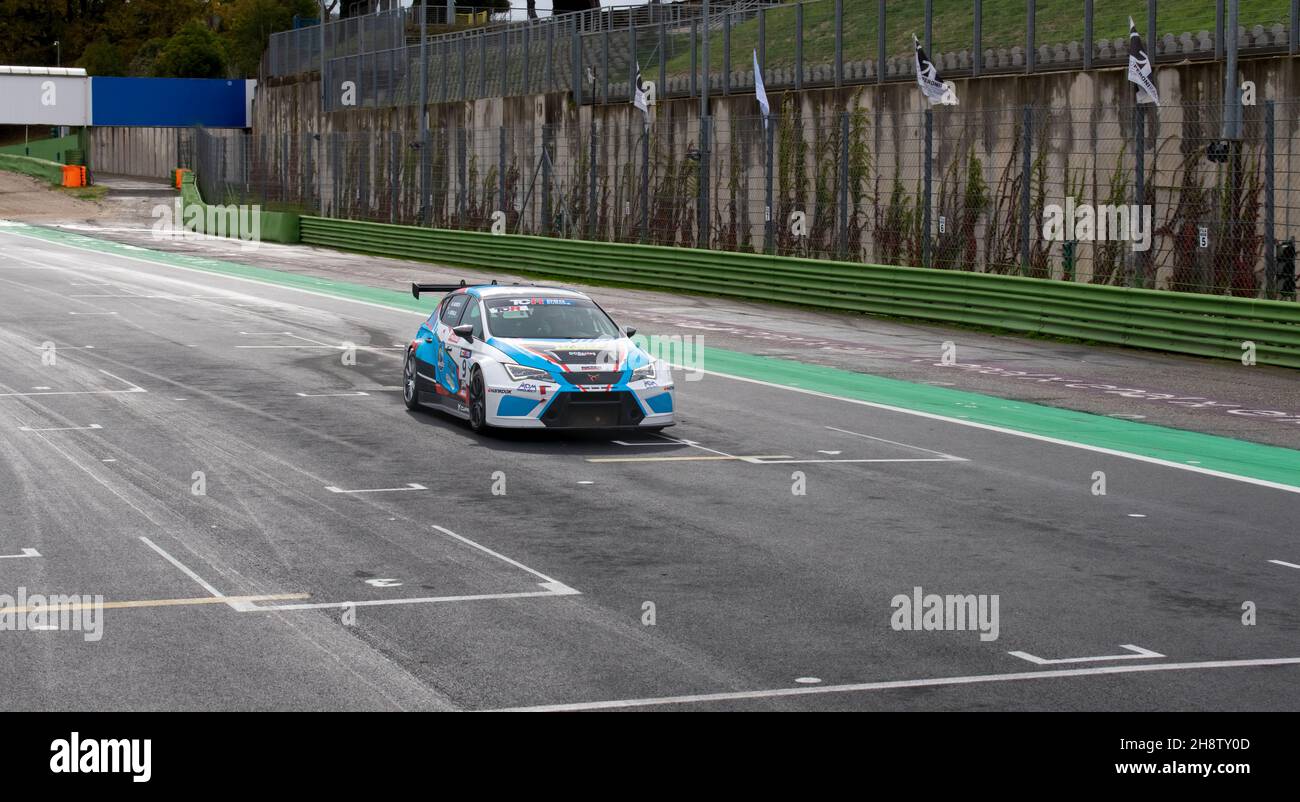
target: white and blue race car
533 357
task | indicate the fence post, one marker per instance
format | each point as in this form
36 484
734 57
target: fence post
424 118
645 181
526 75
462 175
1270 236
1218 29
844 183
394 181
575 58
549 81
1088 33
706 137
929 27
1139 191
662 88
501 173
591 180
335 169
880 41
482 65
726 52
762 37
695 62
1294 38
426 178
504 66
1031 22
977 57
798 46
604 67
548 144
1026 179
705 65
464 68
839 43
769 135
926 260
633 62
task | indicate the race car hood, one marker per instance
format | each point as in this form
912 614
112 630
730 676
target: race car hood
607 354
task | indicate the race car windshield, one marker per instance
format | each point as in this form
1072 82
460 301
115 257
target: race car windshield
548 319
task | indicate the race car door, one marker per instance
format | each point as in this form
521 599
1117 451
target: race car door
447 369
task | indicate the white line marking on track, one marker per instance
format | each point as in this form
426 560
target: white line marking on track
645 443
27 552
1138 654
766 461
565 591
894 443
131 388
61 428
1286 564
410 486
694 458
328 395
551 587
976 679
962 421
203 583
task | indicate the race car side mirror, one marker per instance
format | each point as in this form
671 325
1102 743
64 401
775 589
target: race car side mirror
629 330
465 330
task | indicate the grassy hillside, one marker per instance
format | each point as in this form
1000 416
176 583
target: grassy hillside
1058 21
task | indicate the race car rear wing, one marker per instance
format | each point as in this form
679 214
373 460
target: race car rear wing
417 287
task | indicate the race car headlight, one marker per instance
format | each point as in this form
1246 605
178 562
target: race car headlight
645 372
520 373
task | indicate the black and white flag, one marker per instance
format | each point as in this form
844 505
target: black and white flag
927 76
638 96
1139 67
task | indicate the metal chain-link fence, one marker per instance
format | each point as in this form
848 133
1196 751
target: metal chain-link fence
813 43
1136 196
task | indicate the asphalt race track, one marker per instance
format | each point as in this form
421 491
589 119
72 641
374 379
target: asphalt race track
345 553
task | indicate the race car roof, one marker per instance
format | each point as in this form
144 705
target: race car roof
523 291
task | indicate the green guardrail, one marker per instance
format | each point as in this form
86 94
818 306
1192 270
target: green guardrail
36 168
64 149
1186 323
273 226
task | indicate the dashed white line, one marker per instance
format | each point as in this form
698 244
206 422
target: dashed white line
861 687
411 486
61 428
1138 653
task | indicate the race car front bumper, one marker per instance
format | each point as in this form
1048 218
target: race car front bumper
551 405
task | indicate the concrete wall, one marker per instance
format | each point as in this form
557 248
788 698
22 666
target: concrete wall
143 152
1083 146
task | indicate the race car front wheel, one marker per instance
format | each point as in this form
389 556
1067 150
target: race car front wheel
409 393
477 402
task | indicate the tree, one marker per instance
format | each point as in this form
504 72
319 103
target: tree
250 23
194 52
103 58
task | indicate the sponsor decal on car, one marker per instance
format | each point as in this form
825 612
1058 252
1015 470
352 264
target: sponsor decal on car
465 353
501 390
527 388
